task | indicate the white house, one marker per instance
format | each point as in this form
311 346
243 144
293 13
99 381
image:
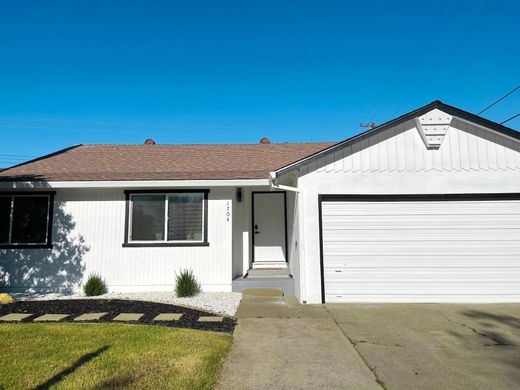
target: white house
424 208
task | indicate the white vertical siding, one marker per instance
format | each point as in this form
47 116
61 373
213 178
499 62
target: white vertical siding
95 229
396 161
401 149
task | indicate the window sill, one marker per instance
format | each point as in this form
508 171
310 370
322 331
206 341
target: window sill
162 244
26 246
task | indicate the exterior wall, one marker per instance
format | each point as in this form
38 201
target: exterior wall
396 161
88 232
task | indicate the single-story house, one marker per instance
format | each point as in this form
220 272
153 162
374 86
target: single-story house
424 208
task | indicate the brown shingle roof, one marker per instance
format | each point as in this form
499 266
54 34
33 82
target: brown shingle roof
162 162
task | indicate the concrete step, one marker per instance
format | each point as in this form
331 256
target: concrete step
286 284
282 273
269 265
263 292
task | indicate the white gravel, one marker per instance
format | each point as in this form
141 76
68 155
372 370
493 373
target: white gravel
215 302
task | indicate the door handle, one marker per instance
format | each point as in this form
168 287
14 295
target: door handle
256 232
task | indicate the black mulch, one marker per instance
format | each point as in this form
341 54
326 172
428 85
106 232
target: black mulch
76 307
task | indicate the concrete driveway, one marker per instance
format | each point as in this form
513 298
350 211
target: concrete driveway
436 346
280 344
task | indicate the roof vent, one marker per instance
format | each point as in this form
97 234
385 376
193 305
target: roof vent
265 140
149 141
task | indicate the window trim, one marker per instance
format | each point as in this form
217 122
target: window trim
138 244
50 214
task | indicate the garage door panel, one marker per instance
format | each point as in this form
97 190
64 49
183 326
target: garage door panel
421 251
426 275
421 222
417 247
421 288
424 298
411 235
400 261
419 208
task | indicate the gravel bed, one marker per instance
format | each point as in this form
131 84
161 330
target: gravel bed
215 302
76 307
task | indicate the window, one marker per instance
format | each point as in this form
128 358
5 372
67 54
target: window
25 220
166 219
148 218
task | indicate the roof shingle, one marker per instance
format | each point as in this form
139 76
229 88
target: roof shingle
162 162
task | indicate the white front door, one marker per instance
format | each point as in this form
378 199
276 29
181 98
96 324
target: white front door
269 228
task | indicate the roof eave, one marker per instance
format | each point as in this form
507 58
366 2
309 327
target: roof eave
133 183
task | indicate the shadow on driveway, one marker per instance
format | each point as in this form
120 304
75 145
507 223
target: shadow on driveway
434 346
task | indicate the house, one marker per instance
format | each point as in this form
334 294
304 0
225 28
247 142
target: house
424 208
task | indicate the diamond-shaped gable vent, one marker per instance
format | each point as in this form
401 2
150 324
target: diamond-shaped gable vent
433 126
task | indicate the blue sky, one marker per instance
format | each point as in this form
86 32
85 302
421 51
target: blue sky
234 71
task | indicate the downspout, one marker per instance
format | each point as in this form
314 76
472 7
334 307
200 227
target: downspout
273 183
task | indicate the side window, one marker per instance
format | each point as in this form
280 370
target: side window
25 219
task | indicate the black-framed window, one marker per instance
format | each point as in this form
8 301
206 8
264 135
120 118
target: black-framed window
26 219
166 218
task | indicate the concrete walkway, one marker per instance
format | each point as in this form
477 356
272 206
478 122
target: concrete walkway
281 344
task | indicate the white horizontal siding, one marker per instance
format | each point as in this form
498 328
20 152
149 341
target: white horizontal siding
93 235
395 254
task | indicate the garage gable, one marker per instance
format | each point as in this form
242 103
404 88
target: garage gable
436 137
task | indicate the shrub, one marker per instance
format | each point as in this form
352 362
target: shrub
186 284
5 299
95 286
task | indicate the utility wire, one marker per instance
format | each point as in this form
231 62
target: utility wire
507 120
405 70
499 100
487 13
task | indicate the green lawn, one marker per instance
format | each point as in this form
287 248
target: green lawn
93 356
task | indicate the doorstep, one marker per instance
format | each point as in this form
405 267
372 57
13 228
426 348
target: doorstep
286 284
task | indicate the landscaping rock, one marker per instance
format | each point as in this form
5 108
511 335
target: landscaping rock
224 303
188 318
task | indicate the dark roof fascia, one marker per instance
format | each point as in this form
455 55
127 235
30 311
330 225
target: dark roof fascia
397 121
468 116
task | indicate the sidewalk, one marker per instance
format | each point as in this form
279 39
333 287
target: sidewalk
281 344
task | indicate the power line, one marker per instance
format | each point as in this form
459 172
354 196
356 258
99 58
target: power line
405 70
499 100
16 155
487 13
507 120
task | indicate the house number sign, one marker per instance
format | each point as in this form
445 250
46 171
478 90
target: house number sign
228 210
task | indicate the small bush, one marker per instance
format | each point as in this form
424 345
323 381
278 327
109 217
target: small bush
186 285
95 286
6 299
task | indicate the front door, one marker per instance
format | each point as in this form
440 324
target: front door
269 229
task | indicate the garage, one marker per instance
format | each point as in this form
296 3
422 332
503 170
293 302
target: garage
420 248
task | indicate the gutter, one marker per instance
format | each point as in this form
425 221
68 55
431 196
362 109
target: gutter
273 183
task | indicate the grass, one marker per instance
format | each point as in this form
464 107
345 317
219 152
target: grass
94 356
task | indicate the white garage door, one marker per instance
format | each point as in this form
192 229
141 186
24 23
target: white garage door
416 249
